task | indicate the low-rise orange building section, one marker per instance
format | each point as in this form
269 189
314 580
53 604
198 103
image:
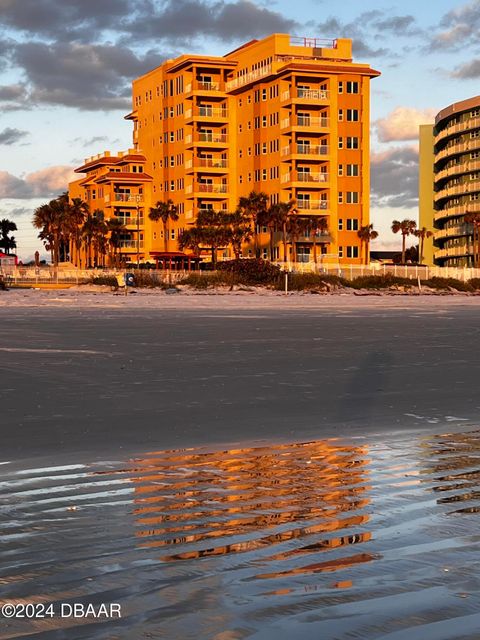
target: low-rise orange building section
286 116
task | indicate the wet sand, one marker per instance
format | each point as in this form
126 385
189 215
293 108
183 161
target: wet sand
230 467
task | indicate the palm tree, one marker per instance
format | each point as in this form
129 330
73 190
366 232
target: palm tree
164 211
422 234
77 214
473 218
7 242
317 225
254 207
366 235
116 228
296 226
407 228
94 231
45 218
238 230
191 239
279 214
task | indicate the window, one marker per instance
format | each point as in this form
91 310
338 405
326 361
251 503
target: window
340 197
352 142
239 128
264 174
172 185
352 224
340 142
340 169
352 252
264 95
257 95
352 115
352 169
340 115
340 252
340 87
352 87
264 121
340 224
352 197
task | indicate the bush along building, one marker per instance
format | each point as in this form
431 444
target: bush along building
284 116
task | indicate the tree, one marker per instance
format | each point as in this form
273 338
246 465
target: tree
238 230
77 214
115 228
279 214
317 225
94 231
296 226
7 242
422 234
209 231
254 207
164 211
366 235
407 228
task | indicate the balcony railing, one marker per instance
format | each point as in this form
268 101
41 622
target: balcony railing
473 123
130 244
124 197
137 222
306 149
459 189
305 122
248 77
457 230
311 95
454 149
312 205
212 163
452 251
200 85
459 209
317 176
211 137
207 112
463 167
211 188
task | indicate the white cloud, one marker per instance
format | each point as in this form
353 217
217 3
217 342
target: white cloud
45 183
402 123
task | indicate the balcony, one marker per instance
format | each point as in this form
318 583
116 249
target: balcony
314 151
205 87
248 77
462 167
207 113
130 245
452 232
466 187
129 221
315 179
473 123
451 252
457 210
455 149
305 123
305 96
199 189
204 138
207 165
312 205
124 198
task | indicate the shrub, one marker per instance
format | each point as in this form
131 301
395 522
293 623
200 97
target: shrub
203 280
448 283
379 282
110 281
474 283
250 271
310 281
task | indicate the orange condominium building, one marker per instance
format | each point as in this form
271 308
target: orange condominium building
283 115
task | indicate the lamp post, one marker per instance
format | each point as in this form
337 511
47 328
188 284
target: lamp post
138 236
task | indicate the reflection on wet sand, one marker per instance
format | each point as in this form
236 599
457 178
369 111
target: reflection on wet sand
264 489
322 539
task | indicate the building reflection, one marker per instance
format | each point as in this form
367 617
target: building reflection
281 505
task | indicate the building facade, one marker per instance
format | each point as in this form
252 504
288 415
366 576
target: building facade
450 183
286 116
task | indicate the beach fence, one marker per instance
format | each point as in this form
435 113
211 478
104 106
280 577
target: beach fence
48 276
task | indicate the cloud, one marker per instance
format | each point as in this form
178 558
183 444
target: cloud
181 19
402 123
13 97
83 76
467 71
394 175
462 28
65 19
45 183
10 136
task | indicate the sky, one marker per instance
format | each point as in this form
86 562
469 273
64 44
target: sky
66 68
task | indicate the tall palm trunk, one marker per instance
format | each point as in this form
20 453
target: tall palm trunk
284 234
404 240
165 235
